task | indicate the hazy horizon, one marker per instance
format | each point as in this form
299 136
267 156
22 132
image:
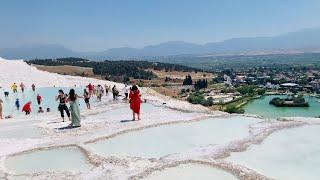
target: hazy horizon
91 26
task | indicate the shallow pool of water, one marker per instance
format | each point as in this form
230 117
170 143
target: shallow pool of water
191 172
48 99
53 160
262 107
163 140
287 154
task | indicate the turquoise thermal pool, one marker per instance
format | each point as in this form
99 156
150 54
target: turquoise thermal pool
177 138
287 154
262 107
191 172
52 160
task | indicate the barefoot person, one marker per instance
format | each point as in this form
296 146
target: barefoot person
1 108
22 86
17 103
74 108
107 88
27 108
90 88
39 99
135 102
62 104
115 92
126 92
86 97
33 87
14 88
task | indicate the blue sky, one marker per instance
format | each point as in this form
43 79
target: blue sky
94 25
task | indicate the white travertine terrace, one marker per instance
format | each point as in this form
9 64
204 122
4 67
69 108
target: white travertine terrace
97 125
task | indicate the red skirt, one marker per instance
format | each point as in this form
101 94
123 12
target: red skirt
135 106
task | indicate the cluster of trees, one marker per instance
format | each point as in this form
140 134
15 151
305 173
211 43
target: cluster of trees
187 80
298 101
233 109
250 89
115 70
198 98
201 84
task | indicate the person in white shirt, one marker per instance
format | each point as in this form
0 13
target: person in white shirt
126 91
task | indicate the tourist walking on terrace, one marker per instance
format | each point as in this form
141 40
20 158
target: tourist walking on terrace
135 102
17 103
107 88
126 92
14 88
62 104
33 87
115 92
22 86
100 92
74 108
1 108
39 99
86 97
90 88
27 108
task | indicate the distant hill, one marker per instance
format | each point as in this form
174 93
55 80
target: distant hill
37 51
301 41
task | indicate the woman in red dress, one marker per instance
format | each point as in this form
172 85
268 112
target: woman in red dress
135 102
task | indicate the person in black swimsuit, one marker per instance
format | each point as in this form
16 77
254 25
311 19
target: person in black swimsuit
62 104
86 97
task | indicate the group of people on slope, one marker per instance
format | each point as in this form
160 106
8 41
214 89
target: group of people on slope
26 107
73 112
72 99
14 88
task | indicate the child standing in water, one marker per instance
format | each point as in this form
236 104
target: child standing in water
39 99
27 108
135 102
62 104
40 110
1 108
17 103
14 88
74 108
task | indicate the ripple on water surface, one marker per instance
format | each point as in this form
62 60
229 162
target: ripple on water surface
52 160
163 140
287 154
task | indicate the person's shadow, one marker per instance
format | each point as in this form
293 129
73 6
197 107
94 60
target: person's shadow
67 127
125 121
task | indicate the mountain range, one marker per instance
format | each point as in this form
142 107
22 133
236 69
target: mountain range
303 40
